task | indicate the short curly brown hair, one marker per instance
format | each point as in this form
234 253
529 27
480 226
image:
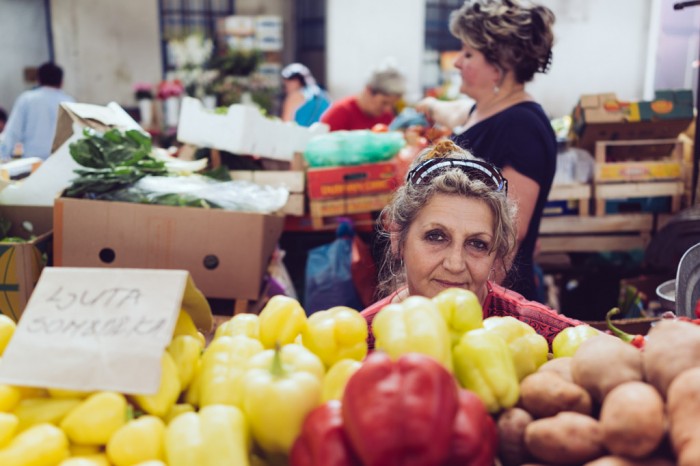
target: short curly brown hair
511 35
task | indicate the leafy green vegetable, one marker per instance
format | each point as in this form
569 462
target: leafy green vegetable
113 160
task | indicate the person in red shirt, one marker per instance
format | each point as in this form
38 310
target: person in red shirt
373 105
451 225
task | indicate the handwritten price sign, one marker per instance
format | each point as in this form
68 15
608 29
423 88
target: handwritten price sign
99 329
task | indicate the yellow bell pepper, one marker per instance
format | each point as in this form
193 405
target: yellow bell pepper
160 403
186 351
413 326
461 310
177 410
191 395
32 392
59 393
244 324
80 461
215 436
96 419
335 334
151 463
484 365
42 410
7 329
136 441
281 321
293 357
223 367
9 397
528 348
41 445
336 378
568 340
276 402
8 428
97 459
185 326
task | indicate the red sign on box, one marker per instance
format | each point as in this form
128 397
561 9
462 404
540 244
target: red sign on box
357 180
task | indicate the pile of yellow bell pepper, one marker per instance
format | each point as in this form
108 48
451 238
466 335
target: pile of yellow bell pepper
243 398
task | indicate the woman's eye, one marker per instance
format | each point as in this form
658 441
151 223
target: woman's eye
434 236
479 245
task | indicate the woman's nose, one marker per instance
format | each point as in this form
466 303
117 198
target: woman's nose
454 260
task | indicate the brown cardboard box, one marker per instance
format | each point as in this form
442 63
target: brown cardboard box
226 252
22 263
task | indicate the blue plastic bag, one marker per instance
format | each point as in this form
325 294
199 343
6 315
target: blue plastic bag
328 280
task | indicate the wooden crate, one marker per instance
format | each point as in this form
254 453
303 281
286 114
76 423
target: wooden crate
580 192
610 191
349 205
641 160
595 234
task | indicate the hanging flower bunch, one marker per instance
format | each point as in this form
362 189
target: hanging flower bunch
191 59
170 88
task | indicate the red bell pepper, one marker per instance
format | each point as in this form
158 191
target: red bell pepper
475 436
322 441
400 413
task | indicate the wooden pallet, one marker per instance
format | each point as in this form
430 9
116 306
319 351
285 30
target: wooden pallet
321 209
621 232
609 191
580 192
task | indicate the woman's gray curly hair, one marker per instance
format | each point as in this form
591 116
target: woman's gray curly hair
397 217
511 34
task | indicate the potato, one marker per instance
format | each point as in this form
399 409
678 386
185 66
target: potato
511 436
672 346
633 420
561 366
567 438
683 406
544 394
618 461
604 362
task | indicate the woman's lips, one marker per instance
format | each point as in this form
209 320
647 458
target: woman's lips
449 284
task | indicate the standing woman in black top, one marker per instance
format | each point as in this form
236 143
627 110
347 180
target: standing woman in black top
504 43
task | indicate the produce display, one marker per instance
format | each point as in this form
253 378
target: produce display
443 387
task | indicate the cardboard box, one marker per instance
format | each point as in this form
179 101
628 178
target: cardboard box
21 263
357 180
637 171
227 253
602 117
243 130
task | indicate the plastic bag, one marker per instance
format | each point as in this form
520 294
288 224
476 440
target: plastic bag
329 280
342 148
238 195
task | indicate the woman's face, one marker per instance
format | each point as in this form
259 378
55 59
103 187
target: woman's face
478 76
447 246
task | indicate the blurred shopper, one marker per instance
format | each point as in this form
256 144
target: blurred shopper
374 105
504 43
304 101
32 123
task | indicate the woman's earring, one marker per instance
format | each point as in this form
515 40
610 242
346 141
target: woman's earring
496 89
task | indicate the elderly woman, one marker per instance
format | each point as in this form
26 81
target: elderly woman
451 225
504 44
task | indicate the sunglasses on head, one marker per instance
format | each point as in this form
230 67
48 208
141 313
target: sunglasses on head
475 169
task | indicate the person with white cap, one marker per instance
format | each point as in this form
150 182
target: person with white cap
304 100
373 105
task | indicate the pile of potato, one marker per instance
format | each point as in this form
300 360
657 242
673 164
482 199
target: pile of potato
611 404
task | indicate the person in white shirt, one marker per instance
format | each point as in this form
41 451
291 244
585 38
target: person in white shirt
32 121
